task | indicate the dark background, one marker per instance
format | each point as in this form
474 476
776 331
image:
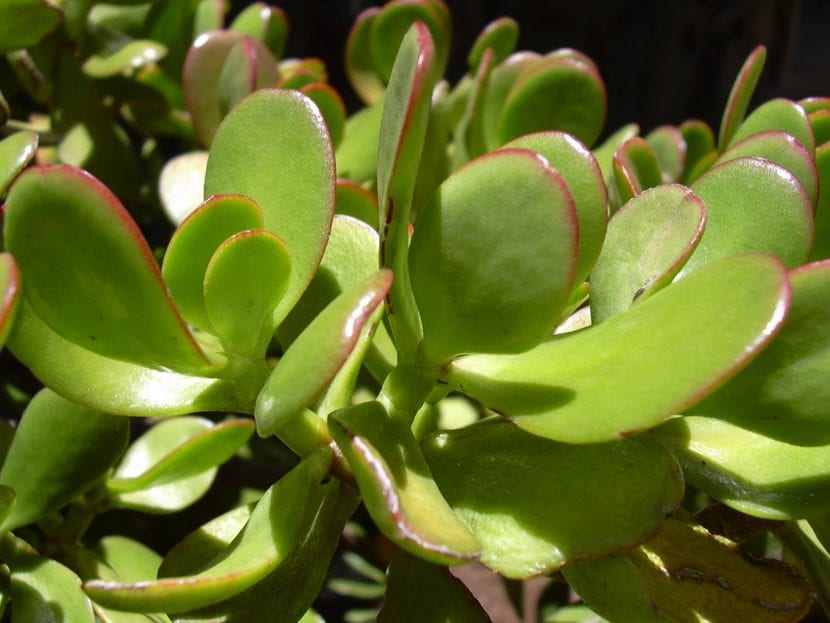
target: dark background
663 61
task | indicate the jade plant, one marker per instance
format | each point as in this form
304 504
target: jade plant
453 322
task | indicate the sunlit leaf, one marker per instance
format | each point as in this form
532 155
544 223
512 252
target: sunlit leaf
500 35
127 59
16 151
740 95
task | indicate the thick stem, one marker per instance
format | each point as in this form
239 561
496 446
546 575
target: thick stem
404 391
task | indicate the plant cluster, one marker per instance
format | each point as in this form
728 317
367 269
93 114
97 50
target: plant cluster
606 363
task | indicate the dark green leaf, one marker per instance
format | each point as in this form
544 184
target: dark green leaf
23 23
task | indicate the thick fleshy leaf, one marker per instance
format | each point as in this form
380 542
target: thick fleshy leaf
647 242
274 148
780 115
397 486
9 294
419 591
753 205
543 504
636 169
556 93
126 60
581 173
23 23
604 153
331 107
313 359
244 283
199 453
360 64
293 586
45 590
181 184
752 472
130 559
354 200
721 315
193 245
670 148
100 287
783 149
740 95
159 444
493 256
264 22
501 81
781 394
57 437
700 141
803 542
820 121
501 36
16 151
469 135
357 154
273 528
684 574
114 386
403 130
821 248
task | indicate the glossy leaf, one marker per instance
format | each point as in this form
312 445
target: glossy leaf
580 171
780 115
670 148
354 200
130 559
493 256
752 472
16 151
561 389
402 132
274 148
9 295
397 486
244 282
331 107
543 504
500 35
360 64
193 245
636 169
555 94
740 95
23 23
99 288
313 359
700 141
45 590
782 149
126 60
274 526
648 241
181 184
779 394
264 22
686 575
199 453
56 436
753 205
420 591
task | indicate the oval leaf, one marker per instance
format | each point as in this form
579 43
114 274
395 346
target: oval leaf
561 389
501 36
636 168
670 148
354 200
16 151
331 107
126 60
740 95
266 23
360 65
45 590
181 183
779 115
23 23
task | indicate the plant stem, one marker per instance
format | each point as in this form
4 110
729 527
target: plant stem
305 433
404 392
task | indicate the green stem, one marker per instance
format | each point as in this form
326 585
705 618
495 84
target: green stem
404 391
305 433
75 522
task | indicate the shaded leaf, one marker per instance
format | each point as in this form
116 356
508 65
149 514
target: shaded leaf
740 95
670 148
636 169
45 590
360 64
331 107
700 141
354 200
23 23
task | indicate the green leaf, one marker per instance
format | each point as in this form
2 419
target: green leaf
648 241
501 81
100 287
244 283
313 359
162 472
500 35
740 95
820 121
636 168
56 436
493 257
354 200
331 107
16 151
564 391
420 591
397 486
264 22
749 471
357 154
131 560
753 205
670 148
780 115
604 153
126 60
544 504
10 293
684 574
23 23
783 149
402 132
45 590
700 141
193 245
199 453
360 64
273 528
555 93
821 249
780 393
274 148
209 15
181 184
581 173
